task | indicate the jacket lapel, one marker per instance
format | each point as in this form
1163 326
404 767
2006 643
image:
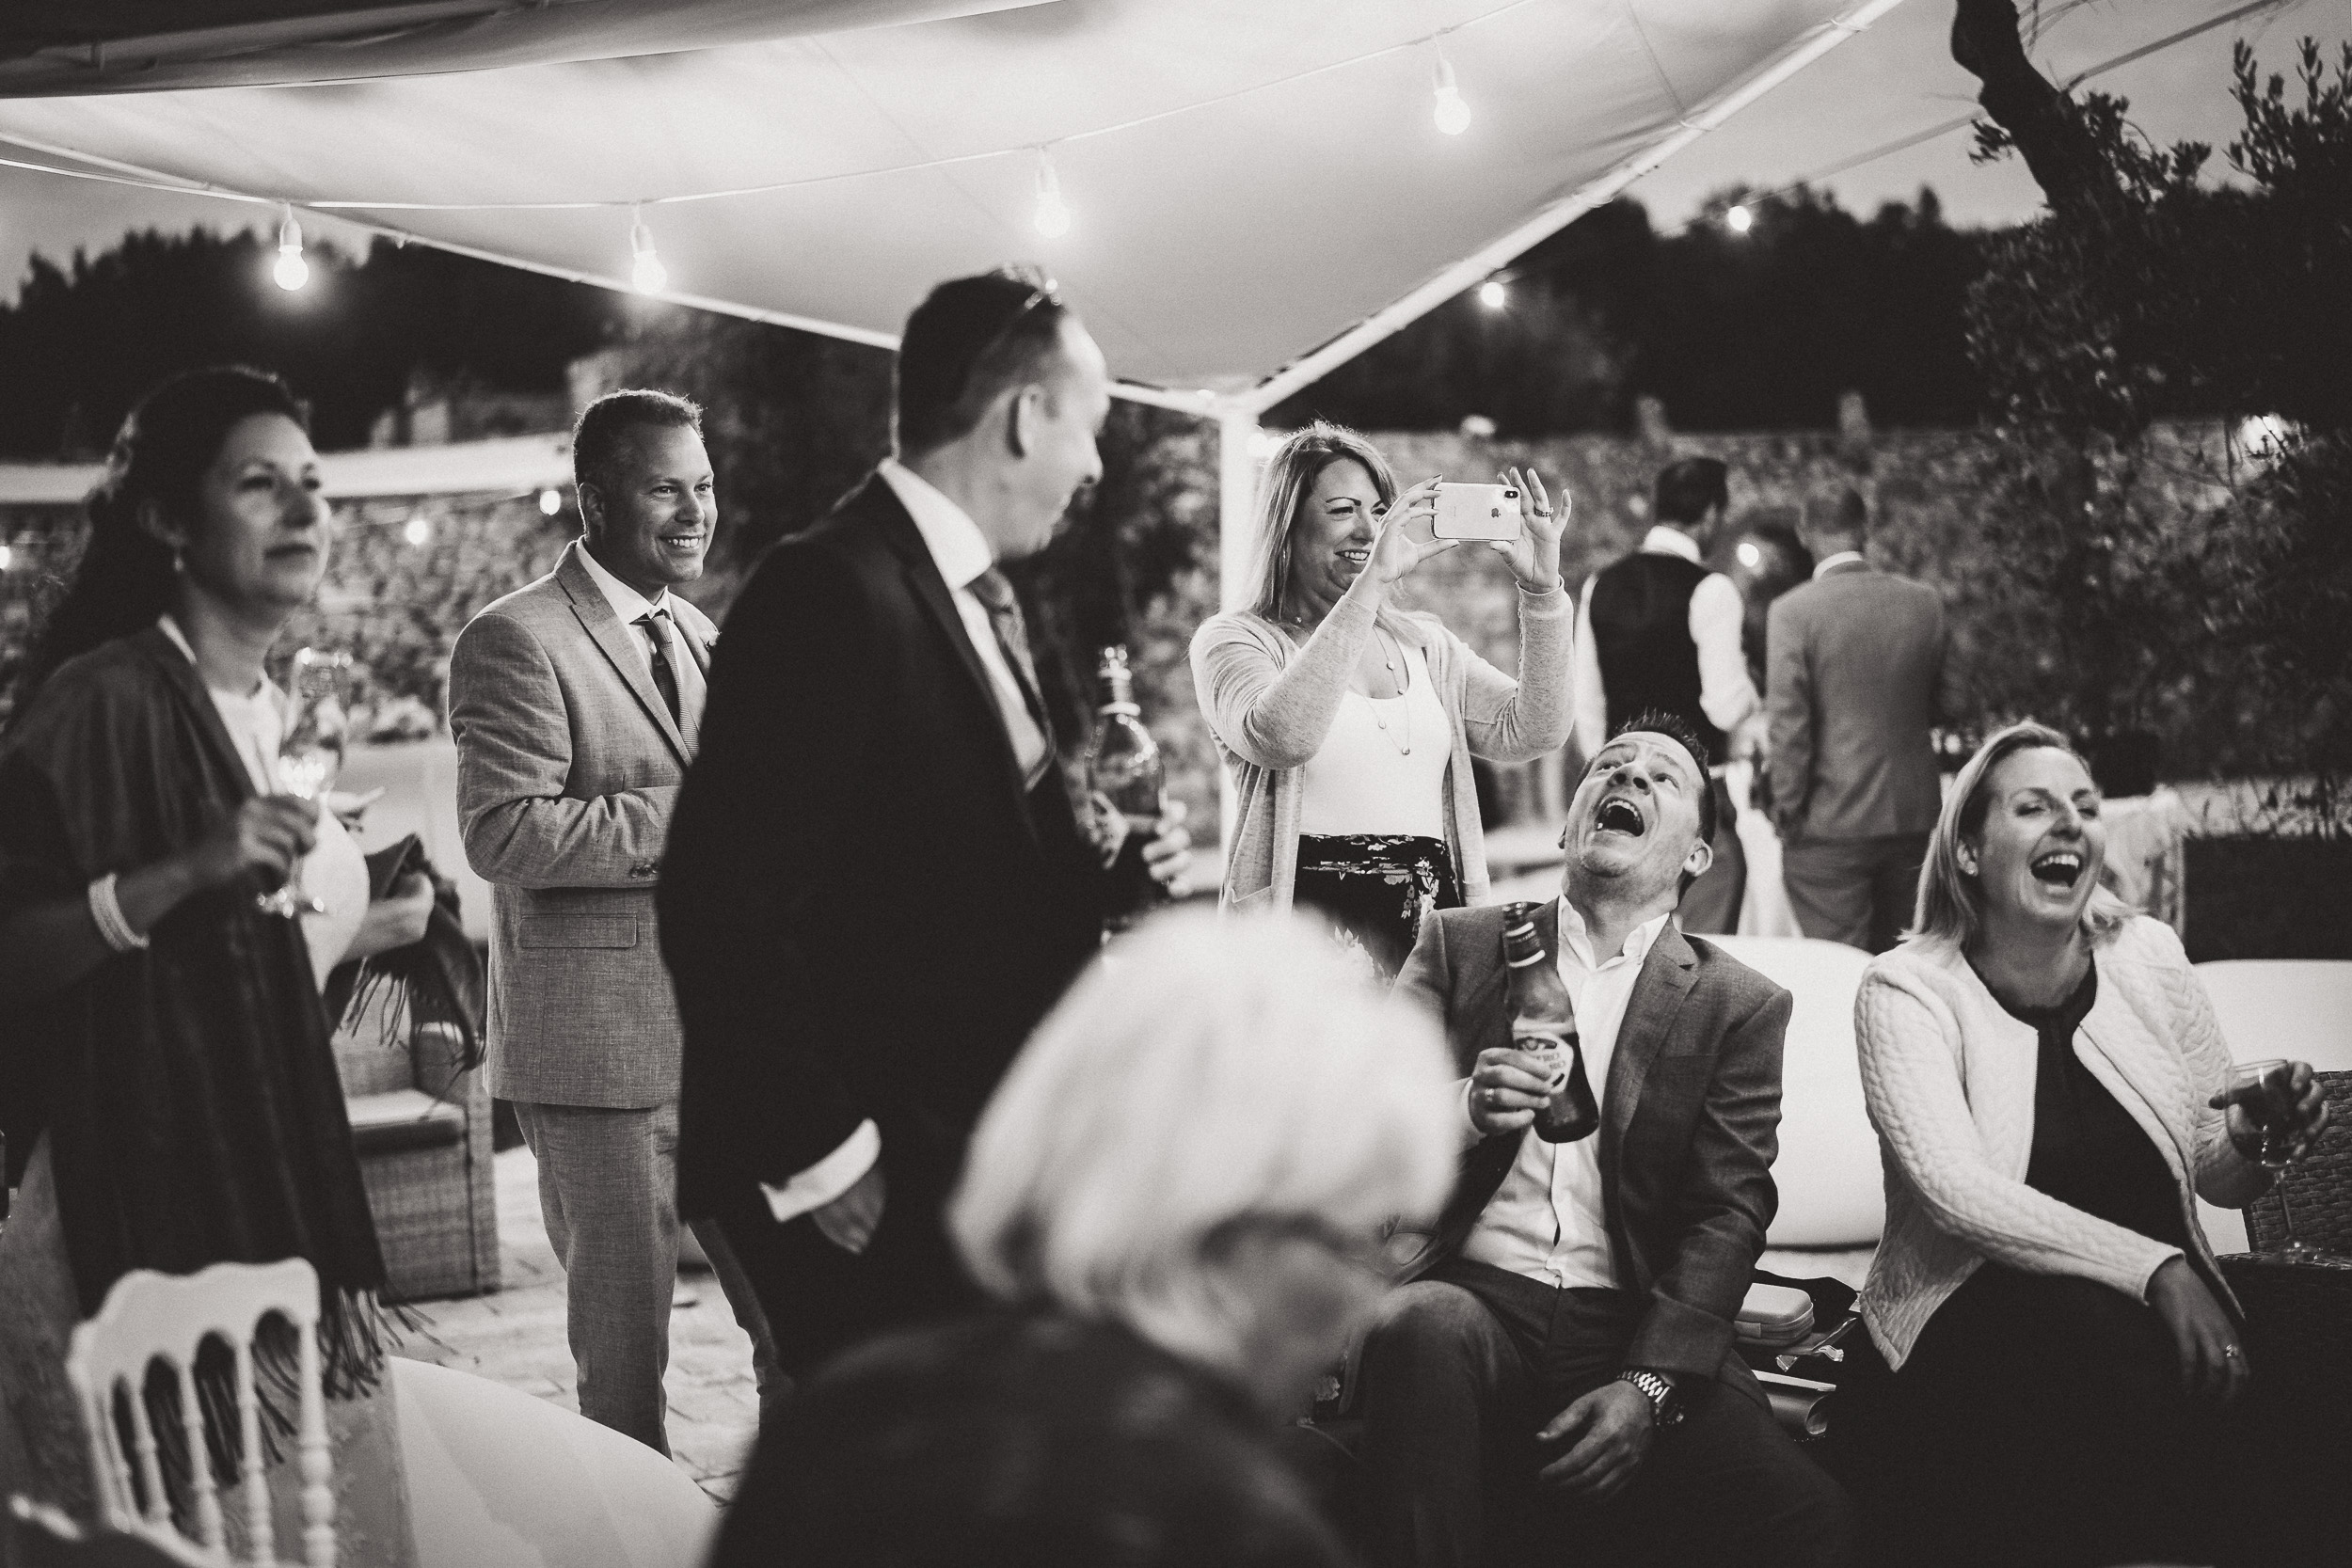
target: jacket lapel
931 591
605 629
1667 976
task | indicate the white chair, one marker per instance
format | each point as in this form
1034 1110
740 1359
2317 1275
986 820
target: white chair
149 1317
1832 1193
2300 1009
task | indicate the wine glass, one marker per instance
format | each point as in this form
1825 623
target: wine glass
310 755
2266 1089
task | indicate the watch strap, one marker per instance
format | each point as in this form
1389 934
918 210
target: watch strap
1663 1407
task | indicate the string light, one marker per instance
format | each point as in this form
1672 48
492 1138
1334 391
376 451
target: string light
1738 219
8 557
1053 213
290 272
551 502
1451 112
646 274
1492 294
418 531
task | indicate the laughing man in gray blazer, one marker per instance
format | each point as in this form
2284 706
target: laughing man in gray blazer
1855 672
575 702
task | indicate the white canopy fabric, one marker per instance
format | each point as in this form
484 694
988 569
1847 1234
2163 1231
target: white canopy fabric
1257 187
502 466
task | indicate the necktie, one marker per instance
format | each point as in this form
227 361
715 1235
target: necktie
657 624
994 592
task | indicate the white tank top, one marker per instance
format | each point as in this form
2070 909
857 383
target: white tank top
1364 780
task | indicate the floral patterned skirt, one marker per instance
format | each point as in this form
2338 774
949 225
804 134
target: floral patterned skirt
1375 888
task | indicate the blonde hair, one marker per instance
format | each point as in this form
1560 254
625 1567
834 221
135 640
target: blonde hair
1282 489
1951 903
1203 1071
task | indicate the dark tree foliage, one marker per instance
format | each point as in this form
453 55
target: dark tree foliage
82 343
1756 331
2146 289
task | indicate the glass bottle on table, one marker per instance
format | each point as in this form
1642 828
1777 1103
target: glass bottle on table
309 756
1123 768
1543 1021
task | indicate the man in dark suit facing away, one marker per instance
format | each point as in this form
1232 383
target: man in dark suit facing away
1856 671
1558 1370
876 882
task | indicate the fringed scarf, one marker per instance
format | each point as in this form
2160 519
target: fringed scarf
188 1091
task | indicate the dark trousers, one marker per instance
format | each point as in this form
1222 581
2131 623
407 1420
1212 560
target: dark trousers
820 1300
2036 1423
1857 891
1464 1367
1711 907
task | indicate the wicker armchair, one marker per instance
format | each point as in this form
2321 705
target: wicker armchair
423 1134
2316 1190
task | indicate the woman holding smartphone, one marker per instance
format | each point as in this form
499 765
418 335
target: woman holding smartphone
1350 723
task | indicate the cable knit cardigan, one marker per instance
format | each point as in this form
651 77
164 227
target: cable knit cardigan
1948 1076
1271 705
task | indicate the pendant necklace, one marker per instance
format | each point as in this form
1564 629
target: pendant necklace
1404 748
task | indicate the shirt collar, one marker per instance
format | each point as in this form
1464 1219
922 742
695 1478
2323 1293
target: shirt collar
1662 540
958 547
626 601
1829 563
1638 941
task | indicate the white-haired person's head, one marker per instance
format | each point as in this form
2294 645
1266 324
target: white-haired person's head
1204 1142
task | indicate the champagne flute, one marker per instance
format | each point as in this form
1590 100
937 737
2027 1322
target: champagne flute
2265 1088
310 755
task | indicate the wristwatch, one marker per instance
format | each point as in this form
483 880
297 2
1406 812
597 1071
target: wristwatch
1665 1408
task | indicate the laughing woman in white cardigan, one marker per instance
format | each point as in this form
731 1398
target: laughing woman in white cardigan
2054 1347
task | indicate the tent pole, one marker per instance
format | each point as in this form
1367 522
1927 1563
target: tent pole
1236 491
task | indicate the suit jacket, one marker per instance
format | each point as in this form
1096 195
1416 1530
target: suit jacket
569 766
865 912
1690 1118
1855 673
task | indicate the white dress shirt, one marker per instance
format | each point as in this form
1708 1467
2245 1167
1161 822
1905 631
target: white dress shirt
961 552
628 604
1546 1220
1726 695
1831 563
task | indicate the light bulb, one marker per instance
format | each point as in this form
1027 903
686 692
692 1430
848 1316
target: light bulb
1452 114
291 271
1738 219
646 274
419 532
1749 555
8 557
551 502
1492 294
1052 217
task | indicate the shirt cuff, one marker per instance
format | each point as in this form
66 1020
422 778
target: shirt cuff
829 1178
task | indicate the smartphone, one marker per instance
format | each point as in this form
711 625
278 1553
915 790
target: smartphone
1477 511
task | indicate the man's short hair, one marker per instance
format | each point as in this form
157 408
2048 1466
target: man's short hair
605 425
1688 488
968 340
1658 723
1848 519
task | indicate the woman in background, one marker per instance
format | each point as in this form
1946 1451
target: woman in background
1177 1198
168 1093
1350 723
2052 1345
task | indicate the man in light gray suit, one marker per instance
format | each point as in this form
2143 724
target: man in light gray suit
575 702
1855 672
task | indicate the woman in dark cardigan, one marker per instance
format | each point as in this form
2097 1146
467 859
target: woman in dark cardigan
166 1087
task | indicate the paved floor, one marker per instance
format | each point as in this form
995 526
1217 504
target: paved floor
516 1337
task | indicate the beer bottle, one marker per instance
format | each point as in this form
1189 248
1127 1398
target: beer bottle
1124 766
1543 1021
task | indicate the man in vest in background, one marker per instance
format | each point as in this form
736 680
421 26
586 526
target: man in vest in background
1660 632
